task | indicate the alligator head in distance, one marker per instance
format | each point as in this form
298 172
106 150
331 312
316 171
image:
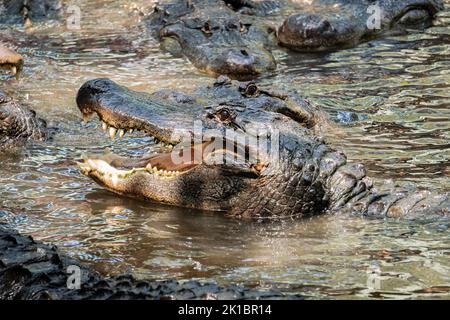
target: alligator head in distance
214 38
335 24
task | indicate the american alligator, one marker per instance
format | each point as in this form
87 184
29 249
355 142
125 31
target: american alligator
335 24
26 11
289 172
214 37
35 271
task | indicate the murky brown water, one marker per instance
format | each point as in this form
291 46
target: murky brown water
398 86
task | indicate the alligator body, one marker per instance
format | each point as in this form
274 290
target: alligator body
18 124
26 11
215 38
336 24
257 154
30 270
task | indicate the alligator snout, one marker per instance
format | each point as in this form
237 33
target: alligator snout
240 63
308 32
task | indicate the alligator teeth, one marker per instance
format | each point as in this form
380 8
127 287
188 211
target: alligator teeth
14 70
121 133
104 126
112 133
86 118
130 131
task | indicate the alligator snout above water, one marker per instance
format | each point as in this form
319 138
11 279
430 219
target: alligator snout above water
214 38
336 24
237 148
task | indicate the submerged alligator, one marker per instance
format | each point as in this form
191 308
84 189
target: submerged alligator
336 24
32 271
292 173
230 37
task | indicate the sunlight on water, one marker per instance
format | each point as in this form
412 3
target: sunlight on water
396 91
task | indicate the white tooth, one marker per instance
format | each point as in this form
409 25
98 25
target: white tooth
86 118
112 133
14 70
130 131
104 126
121 133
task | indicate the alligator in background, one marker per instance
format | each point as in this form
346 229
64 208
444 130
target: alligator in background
34 271
213 37
28 11
306 176
231 37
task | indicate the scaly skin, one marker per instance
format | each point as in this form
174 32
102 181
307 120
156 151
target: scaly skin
34 271
18 124
213 37
26 11
303 176
337 24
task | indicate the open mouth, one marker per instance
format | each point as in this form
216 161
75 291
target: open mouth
172 159
180 151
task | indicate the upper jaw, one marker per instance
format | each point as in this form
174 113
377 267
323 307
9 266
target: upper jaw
121 110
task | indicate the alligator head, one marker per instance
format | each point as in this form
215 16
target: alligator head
334 24
26 11
18 123
214 38
230 147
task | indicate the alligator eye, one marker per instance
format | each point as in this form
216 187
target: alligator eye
207 28
224 115
250 90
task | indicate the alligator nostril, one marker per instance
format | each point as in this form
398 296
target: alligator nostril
244 52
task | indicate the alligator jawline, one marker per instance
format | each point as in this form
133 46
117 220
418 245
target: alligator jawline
159 164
